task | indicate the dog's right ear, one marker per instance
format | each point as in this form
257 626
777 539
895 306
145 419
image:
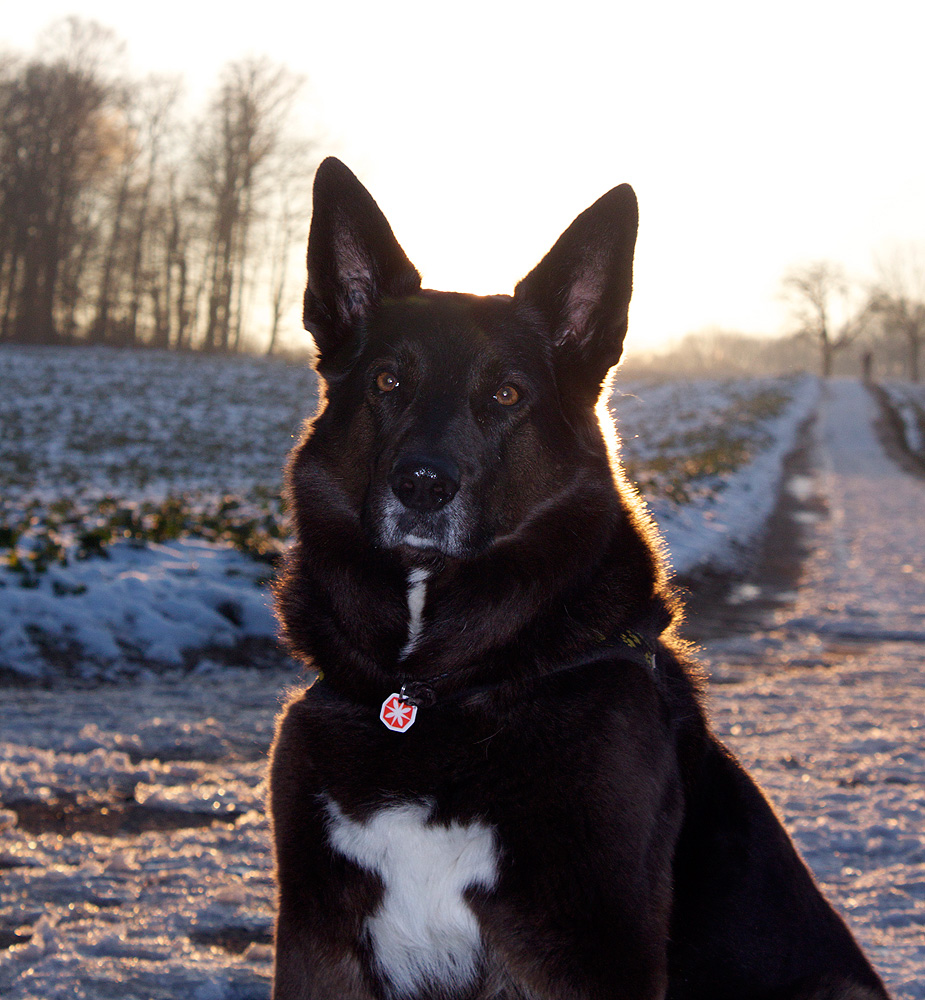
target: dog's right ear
354 260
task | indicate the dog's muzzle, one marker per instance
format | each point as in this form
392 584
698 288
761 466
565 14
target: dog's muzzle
420 505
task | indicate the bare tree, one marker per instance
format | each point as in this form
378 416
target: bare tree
53 147
290 206
898 301
11 229
123 279
169 247
122 226
157 101
246 126
818 297
125 153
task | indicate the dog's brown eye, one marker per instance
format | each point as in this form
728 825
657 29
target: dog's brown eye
507 395
386 382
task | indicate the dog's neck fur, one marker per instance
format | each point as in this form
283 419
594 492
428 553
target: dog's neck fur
479 613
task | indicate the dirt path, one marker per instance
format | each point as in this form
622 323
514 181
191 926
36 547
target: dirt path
824 699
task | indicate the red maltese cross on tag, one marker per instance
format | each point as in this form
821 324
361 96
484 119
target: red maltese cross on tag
396 714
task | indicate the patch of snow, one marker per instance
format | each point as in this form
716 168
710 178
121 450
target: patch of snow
908 399
825 705
152 603
84 424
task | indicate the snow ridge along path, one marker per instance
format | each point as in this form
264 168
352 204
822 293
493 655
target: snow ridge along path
826 705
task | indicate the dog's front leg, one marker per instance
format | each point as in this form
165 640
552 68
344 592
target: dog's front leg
320 896
308 968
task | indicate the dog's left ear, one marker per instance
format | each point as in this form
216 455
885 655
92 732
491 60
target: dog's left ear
354 260
582 288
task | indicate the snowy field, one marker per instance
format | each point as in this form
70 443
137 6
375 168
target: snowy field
134 853
140 510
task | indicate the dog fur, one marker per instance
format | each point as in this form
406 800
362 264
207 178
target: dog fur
557 821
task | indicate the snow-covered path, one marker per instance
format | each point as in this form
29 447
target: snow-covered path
869 580
826 705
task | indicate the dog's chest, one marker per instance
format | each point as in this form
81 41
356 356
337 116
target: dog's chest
423 932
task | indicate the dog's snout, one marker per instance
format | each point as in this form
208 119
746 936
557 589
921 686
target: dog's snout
424 484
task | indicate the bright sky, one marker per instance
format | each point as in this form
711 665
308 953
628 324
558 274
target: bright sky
756 136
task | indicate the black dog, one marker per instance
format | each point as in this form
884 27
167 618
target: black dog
503 783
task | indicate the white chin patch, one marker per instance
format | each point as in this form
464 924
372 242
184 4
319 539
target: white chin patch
423 934
417 542
443 531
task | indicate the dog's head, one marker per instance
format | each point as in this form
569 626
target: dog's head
451 421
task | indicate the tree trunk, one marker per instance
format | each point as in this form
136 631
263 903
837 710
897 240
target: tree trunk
183 312
9 310
826 343
100 332
140 236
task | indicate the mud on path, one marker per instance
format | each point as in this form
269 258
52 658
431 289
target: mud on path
720 605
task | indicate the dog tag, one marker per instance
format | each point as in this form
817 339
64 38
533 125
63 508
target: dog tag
396 714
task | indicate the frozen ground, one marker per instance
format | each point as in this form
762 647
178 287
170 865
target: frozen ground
76 420
136 490
134 855
707 456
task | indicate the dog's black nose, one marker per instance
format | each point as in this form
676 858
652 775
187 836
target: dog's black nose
424 484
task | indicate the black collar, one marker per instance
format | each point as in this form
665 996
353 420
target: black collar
630 644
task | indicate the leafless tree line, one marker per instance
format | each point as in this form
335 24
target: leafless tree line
123 224
874 328
882 319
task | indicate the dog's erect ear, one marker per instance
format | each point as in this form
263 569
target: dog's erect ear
582 287
354 260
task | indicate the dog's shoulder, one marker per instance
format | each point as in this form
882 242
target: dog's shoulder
301 725
307 715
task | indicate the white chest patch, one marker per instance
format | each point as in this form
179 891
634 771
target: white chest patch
423 931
